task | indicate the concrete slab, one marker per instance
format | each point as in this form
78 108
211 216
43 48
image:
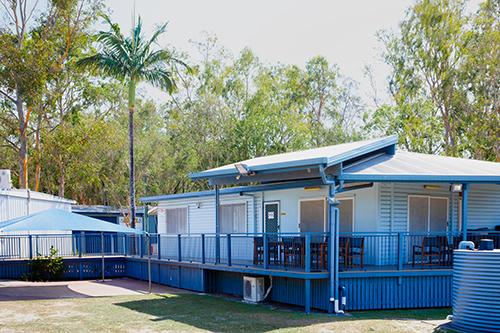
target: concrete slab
22 290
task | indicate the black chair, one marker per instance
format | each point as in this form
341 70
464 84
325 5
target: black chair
258 250
356 250
433 250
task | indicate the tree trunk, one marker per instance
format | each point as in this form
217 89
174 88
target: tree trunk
38 153
62 178
131 110
23 141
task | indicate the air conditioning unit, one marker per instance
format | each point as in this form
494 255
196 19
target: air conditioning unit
253 289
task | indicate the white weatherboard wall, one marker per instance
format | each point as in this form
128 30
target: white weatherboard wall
484 205
16 203
201 210
365 206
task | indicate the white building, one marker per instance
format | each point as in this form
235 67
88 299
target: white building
19 202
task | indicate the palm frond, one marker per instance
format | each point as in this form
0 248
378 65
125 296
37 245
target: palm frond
105 64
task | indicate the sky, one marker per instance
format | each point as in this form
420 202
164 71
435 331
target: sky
285 31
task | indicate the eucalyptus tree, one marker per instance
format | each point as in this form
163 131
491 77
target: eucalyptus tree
132 60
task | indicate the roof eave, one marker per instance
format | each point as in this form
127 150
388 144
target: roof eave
421 178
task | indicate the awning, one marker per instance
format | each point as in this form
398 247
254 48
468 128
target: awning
61 220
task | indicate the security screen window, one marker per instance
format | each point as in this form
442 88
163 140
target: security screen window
233 218
176 220
427 213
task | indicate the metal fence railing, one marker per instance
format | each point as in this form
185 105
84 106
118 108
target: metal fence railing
286 251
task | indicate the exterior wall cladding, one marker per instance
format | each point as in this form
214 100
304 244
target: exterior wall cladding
382 208
363 293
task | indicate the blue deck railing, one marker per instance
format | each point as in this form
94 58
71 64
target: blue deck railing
285 251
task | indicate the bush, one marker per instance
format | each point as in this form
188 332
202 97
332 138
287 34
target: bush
46 268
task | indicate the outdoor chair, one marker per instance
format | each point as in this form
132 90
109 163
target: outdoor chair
292 249
258 250
433 250
355 252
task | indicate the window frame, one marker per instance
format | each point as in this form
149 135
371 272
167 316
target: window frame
186 207
245 203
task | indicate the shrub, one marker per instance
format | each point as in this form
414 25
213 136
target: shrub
46 268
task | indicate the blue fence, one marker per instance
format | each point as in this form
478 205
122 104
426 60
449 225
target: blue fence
306 252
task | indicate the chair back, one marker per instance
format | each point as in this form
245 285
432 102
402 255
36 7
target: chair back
356 242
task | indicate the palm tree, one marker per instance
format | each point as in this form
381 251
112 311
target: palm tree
132 60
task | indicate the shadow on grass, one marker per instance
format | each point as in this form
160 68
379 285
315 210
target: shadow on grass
219 314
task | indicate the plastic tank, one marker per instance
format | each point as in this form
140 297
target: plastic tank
476 291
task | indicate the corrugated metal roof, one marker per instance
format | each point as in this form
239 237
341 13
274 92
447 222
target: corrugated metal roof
23 193
318 156
60 220
406 166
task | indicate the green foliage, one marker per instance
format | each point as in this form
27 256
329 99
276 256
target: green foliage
46 268
445 80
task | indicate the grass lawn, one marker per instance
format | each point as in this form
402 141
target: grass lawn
192 312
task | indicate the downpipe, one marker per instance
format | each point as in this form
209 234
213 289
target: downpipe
334 306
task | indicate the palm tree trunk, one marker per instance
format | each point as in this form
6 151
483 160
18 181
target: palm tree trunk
131 110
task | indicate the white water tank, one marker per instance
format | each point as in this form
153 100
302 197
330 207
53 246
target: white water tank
5 181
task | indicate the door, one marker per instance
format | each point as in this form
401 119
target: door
438 214
271 217
427 214
312 215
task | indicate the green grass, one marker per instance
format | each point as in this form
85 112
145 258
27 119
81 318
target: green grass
191 312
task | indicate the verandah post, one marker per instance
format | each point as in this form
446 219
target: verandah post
400 250
217 225
308 253
229 249
179 254
266 250
158 245
203 259
465 203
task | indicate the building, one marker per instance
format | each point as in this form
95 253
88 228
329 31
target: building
19 202
116 215
359 222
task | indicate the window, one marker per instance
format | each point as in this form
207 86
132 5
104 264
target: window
176 220
312 215
346 214
233 218
427 213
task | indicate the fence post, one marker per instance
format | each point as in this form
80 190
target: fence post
266 251
30 239
400 250
203 259
158 245
125 244
308 253
229 249
140 246
80 244
36 245
179 254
